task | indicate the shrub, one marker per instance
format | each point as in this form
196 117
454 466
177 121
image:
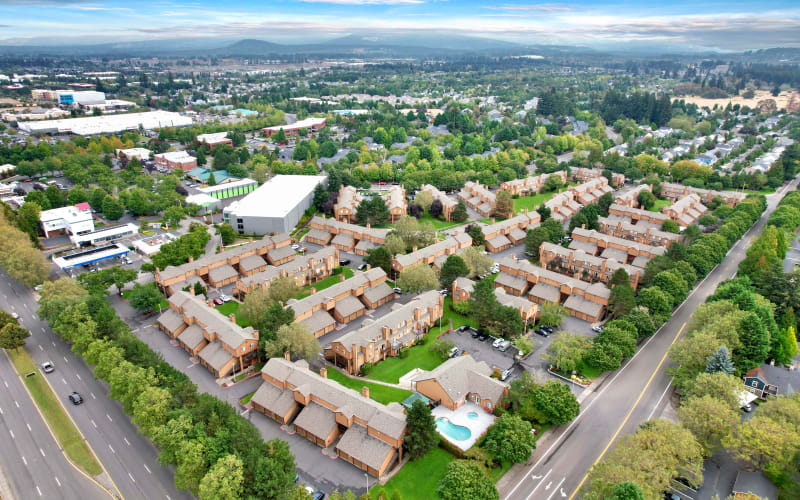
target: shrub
366 368
403 352
462 307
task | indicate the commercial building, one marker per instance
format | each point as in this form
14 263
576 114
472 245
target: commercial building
176 160
203 175
217 269
342 302
217 341
380 338
367 434
104 234
292 130
80 98
345 236
33 114
428 255
303 269
90 256
275 207
459 380
207 204
152 244
140 154
448 204
463 288
107 124
217 139
73 221
478 197
686 211
230 189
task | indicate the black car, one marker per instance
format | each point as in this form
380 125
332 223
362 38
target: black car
482 336
344 262
543 333
463 328
548 328
475 333
75 398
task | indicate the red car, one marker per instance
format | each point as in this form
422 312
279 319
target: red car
218 301
382 183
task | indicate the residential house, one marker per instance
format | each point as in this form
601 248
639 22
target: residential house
479 198
369 434
453 244
463 287
531 185
459 380
305 270
221 345
448 204
756 383
342 302
380 338
686 211
345 236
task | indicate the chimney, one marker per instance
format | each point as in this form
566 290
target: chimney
313 290
368 267
249 240
341 277
368 225
493 220
583 226
365 392
323 372
287 356
191 290
191 259
232 317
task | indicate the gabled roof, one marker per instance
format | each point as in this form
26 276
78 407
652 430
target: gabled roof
463 375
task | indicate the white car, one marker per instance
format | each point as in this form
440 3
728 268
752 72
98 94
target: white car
497 342
225 298
295 246
15 315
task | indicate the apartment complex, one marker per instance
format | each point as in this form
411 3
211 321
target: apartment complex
304 270
175 160
591 191
218 342
463 287
369 434
345 236
349 199
581 299
622 227
580 175
673 192
453 244
342 302
531 185
563 206
686 210
448 204
502 235
638 216
223 268
459 380
583 265
396 202
612 247
478 197
380 338
630 198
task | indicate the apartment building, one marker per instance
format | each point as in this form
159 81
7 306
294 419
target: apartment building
222 268
673 192
448 204
345 236
218 342
451 245
459 380
581 175
478 197
686 210
563 206
583 265
175 160
591 191
342 302
531 185
463 287
621 227
630 198
396 202
581 299
502 235
610 247
380 338
638 216
369 434
305 270
347 204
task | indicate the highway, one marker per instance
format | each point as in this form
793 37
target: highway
617 406
130 459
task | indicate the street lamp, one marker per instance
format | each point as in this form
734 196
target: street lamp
366 476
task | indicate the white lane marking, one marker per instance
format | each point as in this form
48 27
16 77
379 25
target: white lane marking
12 433
109 417
57 481
41 451
145 468
562 493
93 424
126 440
537 486
548 485
65 359
79 377
41 348
112 449
131 476
24 461
17 404
556 488
39 491
659 399
92 395
29 427
62 379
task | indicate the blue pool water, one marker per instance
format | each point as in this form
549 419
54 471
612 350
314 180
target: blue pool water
472 415
457 432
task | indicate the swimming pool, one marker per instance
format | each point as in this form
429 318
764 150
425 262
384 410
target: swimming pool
472 415
457 432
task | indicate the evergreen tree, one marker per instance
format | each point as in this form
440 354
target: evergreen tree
459 213
474 231
452 268
421 435
720 361
212 181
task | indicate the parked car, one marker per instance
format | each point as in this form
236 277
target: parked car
218 301
15 315
225 298
75 398
497 342
463 328
397 289
316 495
597 329
444 292
48 367
542 332
455 351
548 328
474 333
506 373
504 345
302 250
747 408
362 267
344 262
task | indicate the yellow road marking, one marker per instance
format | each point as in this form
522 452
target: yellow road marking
625 421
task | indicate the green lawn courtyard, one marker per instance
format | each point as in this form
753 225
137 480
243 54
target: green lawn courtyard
378 392
531 202
658 205
232 307
419 479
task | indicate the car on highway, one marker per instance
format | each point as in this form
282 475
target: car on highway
75 398
48 367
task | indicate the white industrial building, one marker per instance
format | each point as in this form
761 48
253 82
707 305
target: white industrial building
104 234
275 207
108 124
73 221
140 154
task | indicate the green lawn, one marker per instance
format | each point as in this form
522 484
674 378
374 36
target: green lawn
450 314
658 205
232 307
325 283
379 393
247 398
420 356
531 202
438 223
62 426
419 479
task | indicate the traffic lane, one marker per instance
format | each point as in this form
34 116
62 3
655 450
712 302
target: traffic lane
39 453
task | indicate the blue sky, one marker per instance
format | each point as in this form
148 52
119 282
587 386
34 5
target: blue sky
725 25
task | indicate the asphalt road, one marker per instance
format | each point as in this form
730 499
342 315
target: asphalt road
618 406
130 459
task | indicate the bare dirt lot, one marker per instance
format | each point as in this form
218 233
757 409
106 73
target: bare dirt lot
781 101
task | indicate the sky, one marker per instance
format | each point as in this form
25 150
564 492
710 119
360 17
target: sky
717 25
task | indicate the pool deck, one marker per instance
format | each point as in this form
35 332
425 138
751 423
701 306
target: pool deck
477 426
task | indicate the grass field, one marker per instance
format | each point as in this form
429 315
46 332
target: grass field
232 307
247 398
325 283
379 393
658 205
62 425
418 479
531 202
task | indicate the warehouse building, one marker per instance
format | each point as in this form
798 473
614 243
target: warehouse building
275 207
107 124
230 189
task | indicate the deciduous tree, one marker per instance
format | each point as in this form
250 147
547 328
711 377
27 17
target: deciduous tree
417 278
510 439
223 481
466 479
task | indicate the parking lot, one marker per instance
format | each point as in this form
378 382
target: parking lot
481 351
